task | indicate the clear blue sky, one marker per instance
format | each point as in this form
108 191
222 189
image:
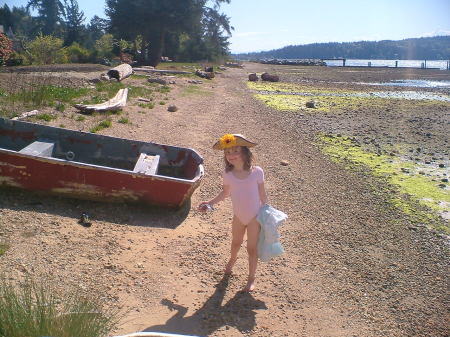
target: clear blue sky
270 24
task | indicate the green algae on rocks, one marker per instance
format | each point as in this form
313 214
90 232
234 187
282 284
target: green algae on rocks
293 97
413 186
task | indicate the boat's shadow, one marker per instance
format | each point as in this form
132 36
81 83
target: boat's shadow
118 213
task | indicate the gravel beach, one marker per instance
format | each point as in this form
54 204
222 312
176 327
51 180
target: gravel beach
355 264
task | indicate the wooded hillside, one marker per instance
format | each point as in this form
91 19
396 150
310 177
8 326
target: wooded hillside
431 48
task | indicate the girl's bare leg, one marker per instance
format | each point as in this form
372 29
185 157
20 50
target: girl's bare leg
237 232
253 229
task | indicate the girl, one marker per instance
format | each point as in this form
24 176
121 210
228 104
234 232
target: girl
245 184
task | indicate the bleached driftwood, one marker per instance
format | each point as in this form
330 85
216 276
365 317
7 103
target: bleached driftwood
26 114
154 334
162 71
120 72
115 103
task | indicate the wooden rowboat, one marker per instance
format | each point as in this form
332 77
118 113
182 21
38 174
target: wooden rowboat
89 166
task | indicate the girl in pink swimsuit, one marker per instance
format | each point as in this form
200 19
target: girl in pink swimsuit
245 184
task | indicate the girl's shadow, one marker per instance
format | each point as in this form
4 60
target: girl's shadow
238 312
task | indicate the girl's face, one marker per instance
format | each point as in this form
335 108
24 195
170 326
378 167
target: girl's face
234 155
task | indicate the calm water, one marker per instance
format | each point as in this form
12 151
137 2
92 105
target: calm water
413 83
436 64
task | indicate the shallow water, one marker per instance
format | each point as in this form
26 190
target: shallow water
413 83
410 95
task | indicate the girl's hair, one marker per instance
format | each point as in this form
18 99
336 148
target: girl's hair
248 158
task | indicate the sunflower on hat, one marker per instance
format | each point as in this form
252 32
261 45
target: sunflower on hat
229 140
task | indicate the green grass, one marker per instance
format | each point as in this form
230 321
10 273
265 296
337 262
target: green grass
124 120
80 118
33 310
162 103
107 123
147 105
45 117
195 89
60 107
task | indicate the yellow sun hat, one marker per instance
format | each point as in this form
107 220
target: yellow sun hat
230 140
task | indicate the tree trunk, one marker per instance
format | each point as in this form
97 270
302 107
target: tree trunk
156 48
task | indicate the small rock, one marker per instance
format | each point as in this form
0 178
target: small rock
157 80
441 165
284 163
311 104
270 78
172 108
253 77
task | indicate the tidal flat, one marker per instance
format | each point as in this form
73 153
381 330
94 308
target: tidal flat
362 119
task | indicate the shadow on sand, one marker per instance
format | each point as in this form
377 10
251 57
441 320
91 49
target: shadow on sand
238 312
118 213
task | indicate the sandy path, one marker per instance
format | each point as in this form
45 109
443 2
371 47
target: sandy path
352 266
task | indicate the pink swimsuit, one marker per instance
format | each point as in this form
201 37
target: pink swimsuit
245 194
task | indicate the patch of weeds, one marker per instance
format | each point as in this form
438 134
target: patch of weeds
164 89
110 88
60 107
3 248
195 89
107 123
162 102
124 120
62 126
45 117
149 105
138 91
166 98
28 308
80 118
138 77
142 111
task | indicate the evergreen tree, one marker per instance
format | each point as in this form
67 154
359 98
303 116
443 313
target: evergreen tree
74 22
50 14
155 20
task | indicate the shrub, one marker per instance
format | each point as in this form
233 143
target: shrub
47 49
104 46
77 54
5 48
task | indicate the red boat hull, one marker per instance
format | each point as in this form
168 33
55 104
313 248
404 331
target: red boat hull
91 182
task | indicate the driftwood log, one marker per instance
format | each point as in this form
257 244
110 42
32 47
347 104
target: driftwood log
120 72
162 71
204 74
26 114
115 103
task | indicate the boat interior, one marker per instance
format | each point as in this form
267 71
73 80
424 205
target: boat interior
93 149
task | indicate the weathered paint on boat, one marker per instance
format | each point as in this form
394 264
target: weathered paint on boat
101 167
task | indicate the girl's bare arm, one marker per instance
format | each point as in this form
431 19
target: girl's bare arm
221 196
262 193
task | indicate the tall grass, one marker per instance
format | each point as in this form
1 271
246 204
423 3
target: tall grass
19 92
32 310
